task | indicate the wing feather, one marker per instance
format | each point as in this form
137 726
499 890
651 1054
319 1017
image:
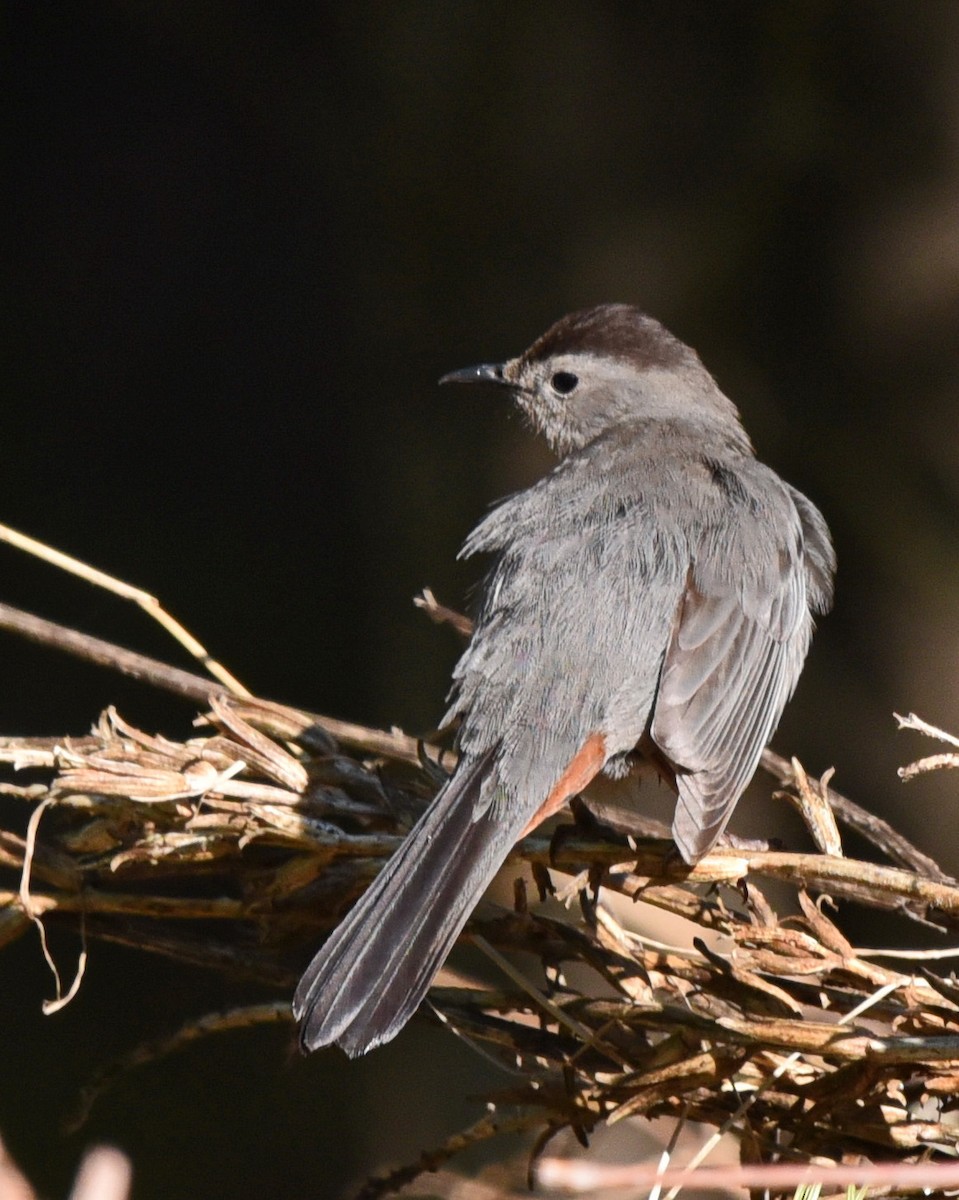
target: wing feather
732 663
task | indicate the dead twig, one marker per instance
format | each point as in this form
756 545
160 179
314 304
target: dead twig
118 587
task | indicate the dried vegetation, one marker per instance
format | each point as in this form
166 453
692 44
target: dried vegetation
240 847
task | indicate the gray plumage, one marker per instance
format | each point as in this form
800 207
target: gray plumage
655 589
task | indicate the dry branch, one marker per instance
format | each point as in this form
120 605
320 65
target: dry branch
238 848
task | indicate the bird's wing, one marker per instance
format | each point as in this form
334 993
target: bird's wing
737 647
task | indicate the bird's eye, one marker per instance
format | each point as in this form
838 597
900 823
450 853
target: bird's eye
564 382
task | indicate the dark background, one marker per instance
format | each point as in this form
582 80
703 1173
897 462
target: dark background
242 241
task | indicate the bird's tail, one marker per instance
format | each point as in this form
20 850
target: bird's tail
371 974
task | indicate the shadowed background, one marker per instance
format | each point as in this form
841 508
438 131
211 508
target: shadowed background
243 242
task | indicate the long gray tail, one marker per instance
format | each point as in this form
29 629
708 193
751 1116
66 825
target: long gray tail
371 974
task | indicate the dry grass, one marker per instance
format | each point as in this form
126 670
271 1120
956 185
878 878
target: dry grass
242 846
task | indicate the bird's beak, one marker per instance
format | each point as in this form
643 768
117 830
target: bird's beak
484 373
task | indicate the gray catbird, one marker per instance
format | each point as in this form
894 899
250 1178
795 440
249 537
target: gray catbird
651 596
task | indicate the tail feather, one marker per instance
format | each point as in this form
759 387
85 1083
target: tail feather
375 968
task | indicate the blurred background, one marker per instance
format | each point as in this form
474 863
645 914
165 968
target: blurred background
242 242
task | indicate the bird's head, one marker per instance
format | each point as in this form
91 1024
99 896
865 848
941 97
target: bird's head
602 368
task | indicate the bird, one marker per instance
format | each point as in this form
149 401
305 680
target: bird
651 597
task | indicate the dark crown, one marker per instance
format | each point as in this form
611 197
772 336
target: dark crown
618 331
